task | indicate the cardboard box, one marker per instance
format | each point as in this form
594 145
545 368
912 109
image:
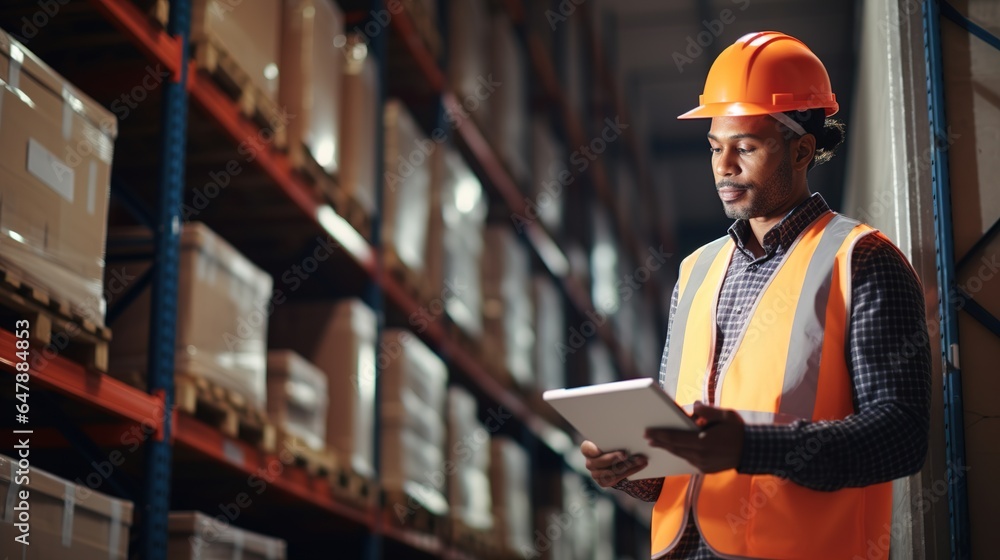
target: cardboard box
222 305
248 32
510 486
550 334
339 338
56 147
415 467
196 536
359 116
469 456
407 188
64 520
408 364
509 132
455 240
508 314
297 397
312 67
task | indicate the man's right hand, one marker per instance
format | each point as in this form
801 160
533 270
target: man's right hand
608 469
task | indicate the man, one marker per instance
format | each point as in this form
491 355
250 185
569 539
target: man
785 337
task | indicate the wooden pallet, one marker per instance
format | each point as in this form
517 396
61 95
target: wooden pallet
224 409
352 488
477 542
52 322
317 462
236 83
398 511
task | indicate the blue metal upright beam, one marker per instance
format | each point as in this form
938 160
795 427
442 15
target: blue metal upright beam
954 421
373 296
159 454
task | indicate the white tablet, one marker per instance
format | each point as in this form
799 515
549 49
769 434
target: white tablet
615 417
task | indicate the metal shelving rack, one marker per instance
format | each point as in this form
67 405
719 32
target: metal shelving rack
951 296
172 432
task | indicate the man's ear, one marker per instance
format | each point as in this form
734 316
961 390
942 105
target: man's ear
803 150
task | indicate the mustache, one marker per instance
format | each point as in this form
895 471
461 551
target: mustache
726 184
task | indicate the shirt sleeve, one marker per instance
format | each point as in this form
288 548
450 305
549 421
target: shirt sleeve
648 490
888 354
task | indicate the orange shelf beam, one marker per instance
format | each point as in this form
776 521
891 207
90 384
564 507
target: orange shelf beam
69 378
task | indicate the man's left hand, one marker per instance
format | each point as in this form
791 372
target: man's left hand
717 446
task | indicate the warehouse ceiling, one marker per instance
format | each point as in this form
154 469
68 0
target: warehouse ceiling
662 50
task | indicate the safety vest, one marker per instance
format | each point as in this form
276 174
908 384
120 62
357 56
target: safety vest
789 363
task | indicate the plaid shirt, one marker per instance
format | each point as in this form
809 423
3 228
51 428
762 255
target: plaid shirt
888 355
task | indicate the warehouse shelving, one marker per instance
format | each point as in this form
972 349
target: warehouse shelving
190 437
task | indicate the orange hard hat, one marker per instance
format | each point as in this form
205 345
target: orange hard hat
765 73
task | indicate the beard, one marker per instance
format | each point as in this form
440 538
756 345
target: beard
762 199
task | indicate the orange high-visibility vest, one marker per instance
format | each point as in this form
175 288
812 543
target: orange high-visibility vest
789 363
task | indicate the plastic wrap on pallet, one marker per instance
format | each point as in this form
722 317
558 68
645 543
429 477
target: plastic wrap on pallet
471 503
196 536
248 32
359 107
56 148
407 363
339 338
506 277
550 334
297 396
455 239
222 305
412 465
66 520
510 487
549 174
312 64
406 195
509 133
469 440
469 57
408 411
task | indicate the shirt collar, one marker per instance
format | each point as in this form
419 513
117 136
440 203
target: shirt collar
784 233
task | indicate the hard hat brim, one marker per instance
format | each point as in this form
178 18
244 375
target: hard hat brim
744 109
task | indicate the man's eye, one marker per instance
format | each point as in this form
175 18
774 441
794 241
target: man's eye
714 150
744 151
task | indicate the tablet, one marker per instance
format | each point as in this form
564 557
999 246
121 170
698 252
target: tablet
615 417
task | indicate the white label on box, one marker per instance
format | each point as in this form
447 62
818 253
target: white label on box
233 452
50 169
69 505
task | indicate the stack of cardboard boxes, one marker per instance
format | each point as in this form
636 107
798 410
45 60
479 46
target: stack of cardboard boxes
414 391
297 397
196 536
469 457
506 275
45 517
510 484
56 148
222 305
550 351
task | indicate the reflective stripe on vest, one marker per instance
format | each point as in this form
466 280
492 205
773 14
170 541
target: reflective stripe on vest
788 363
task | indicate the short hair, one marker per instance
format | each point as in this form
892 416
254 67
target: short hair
829 133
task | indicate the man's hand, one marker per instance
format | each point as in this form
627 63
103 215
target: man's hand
718 446
608 469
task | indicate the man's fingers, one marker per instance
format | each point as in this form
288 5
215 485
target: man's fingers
590 449
609 477
606 461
